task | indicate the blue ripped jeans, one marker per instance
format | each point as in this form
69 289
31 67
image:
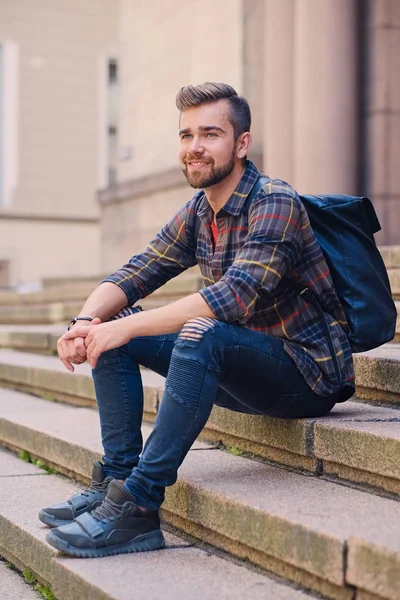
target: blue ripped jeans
209 362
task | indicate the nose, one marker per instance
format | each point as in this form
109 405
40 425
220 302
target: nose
196 145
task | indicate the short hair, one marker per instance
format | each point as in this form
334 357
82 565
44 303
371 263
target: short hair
239 110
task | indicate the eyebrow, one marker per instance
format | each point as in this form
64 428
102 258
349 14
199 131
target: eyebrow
203 128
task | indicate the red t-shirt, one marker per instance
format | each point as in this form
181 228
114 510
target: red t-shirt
214 233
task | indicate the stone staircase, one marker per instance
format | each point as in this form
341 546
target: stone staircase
59 299
316 502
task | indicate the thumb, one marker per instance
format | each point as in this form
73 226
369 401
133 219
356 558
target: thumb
95 321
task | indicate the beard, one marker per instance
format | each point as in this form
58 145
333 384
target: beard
214 175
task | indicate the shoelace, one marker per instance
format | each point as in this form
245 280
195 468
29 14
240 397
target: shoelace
107 510
94 487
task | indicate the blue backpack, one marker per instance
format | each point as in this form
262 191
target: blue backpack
344 227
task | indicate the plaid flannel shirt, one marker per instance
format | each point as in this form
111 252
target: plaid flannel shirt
263 252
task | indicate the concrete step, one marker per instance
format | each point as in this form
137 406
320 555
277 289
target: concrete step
13 586
61 312
356 442
79 290
378 374
182 570
391 256
31 338
326 537
66 294
394 279
49 313
52 308
397 333
377 371
67 282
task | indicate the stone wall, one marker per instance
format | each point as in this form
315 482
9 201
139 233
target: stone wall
320 78
132 218
381 116
60 45
163 48
48 248
60 50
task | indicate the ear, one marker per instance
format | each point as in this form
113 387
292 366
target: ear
243 144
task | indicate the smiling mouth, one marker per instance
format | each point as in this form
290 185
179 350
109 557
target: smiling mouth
197 163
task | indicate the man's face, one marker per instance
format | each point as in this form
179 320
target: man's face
207 146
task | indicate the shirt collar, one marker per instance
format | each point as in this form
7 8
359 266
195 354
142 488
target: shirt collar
235 202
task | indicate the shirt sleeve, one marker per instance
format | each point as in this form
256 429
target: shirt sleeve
170 253
272 246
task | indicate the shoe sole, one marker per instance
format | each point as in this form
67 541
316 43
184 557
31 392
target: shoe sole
52 521
153 540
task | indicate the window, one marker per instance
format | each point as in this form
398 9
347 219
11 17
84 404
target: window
1 127
4 273
112 120
8 121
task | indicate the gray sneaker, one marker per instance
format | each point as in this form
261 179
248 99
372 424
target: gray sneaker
82 502
118 526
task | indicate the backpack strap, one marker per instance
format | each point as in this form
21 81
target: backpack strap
256 188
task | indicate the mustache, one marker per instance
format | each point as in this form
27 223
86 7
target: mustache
197 157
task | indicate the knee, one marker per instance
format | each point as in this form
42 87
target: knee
195 330
108 357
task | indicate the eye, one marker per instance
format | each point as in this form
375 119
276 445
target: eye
211 134
186 136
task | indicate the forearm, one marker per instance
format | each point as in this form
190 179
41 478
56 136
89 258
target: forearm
170 318
104 302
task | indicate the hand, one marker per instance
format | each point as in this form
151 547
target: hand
106 336
73 351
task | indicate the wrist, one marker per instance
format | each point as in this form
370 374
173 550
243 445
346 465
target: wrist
81 320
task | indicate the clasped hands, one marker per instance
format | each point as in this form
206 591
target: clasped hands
88 342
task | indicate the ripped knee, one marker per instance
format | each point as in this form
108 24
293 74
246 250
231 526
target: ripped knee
195 329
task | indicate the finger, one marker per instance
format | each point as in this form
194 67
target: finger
89 339
78 360
94 359
68 365
72 355
62 353
79 347
93 353
75 332
96 321
90 346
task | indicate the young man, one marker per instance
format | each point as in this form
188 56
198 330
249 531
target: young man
248 341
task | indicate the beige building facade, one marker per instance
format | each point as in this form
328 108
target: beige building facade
88 150
53 138
321 79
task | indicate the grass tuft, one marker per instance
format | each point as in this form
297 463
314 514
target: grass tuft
42 465
24 455
29 577
236 451
45 592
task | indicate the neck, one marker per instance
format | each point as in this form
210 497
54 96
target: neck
219 194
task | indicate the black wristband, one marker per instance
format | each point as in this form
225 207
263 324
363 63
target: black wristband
75 319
